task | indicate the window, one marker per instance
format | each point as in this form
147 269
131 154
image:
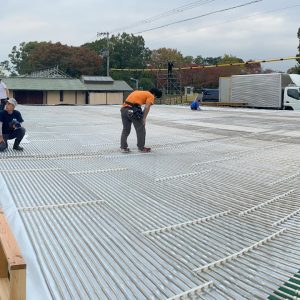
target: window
61 96
293 93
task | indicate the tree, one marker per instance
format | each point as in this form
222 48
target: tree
212 60
160 57
298 34
248 67
199 60
126 50
230 59
18 57
206 61
296 69
129 51
35 56
146 83
252 68
188 60
4 67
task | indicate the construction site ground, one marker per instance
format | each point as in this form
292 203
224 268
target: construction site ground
213 212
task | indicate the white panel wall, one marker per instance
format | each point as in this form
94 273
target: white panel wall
258 90
225 89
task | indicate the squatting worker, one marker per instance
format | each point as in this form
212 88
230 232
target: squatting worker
4 94
132 112
10 126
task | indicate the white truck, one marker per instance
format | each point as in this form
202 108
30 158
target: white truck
274 90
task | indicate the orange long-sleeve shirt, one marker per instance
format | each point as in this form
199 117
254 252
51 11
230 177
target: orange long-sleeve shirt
140 98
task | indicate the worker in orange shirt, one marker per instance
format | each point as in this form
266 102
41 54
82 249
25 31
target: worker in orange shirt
132 112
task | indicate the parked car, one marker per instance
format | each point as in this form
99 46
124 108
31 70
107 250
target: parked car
210 95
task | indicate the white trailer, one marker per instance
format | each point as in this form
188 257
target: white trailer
274 90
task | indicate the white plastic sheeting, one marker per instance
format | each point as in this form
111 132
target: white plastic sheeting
36 288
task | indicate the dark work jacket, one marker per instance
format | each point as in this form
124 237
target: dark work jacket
6 118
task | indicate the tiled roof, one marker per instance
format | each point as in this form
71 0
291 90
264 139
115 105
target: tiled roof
44 84
55 84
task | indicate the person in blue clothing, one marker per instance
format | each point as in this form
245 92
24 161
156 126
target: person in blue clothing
195 105
10 126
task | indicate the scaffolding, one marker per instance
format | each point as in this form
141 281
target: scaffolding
169 82
49 73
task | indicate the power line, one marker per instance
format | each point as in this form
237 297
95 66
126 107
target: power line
201 16
238 19
165 14
249 16
217 65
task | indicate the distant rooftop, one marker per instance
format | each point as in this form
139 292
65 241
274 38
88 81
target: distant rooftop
54 72
44 84
97 79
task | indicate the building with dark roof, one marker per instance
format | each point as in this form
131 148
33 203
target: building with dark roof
105 90
51 91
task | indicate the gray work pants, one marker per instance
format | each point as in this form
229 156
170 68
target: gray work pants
139 128
17 134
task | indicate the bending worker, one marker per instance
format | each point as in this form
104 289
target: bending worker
132 112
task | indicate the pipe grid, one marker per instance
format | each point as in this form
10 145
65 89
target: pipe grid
219 194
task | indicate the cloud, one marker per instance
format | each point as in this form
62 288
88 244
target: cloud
18 25
250 32
262 36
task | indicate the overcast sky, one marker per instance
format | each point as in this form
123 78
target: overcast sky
259 30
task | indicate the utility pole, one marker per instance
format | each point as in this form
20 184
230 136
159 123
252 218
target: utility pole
107 50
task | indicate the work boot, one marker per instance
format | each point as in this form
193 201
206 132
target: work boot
124 150
18 148
145 149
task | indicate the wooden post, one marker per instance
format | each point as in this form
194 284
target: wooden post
3 264
17 287
12 265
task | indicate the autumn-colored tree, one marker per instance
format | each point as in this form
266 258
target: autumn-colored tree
252 68
74 61
208 76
